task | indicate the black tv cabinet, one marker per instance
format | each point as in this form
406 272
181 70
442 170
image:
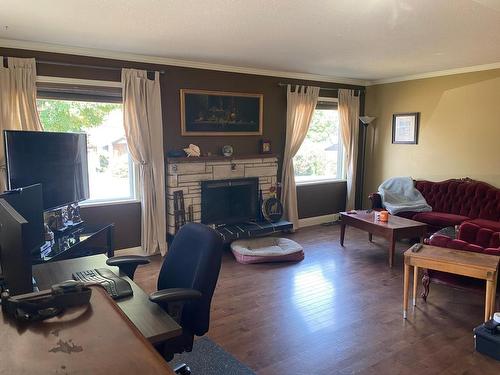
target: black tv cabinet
79 241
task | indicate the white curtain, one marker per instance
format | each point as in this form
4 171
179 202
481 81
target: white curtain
144 131
349 130
300 108
17 102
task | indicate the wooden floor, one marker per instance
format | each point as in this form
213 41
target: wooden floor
339 312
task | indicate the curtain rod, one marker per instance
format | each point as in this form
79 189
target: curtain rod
45 62
280 84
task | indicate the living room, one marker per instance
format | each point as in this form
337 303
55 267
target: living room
328 159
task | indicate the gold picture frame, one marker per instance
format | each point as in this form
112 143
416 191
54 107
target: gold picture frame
221 113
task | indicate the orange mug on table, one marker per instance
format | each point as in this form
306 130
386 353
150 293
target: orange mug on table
384 216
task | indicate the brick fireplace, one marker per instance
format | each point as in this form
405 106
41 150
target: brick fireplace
186 174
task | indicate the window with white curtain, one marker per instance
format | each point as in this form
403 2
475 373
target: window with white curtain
320 156
111 170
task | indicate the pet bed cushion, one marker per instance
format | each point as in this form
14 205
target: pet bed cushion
266 249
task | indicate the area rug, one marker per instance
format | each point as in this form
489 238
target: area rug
208 358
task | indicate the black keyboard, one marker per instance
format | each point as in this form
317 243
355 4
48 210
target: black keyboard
114 285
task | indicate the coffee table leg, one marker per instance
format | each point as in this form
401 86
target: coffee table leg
342 233
391 250
487 303
415 285
406 287
370 237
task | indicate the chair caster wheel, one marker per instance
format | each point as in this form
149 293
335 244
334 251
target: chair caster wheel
182 370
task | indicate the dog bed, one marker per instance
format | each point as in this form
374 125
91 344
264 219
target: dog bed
267 249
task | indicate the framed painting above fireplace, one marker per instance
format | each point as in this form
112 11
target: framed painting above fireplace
217 113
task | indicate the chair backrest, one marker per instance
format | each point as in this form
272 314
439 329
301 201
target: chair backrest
466 197
471 237
193 261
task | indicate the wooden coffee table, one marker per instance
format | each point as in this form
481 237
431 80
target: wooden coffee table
458 262
395 229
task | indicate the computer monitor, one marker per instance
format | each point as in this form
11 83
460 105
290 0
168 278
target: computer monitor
15 255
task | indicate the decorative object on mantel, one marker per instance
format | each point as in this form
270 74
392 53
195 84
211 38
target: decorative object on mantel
227 150
217 113
265 146
192 150
405 128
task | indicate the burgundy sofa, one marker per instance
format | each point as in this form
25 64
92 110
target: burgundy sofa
453 202
470 237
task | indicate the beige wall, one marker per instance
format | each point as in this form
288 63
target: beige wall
459 129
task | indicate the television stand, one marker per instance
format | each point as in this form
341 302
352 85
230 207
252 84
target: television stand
78 241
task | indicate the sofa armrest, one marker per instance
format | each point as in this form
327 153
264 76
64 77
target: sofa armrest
376 200
492 251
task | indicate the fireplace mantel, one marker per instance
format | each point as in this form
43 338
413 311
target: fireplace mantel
186 174
197 159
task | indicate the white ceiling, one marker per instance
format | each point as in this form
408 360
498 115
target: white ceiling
363 39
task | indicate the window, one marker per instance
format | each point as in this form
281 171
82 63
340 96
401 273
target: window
320 155
111 171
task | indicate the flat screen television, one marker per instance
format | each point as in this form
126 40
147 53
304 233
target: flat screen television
58 161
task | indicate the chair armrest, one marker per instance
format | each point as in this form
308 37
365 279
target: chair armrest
172 300
174 294
127 263
376 200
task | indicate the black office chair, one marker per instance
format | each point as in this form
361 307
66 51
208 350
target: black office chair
186 283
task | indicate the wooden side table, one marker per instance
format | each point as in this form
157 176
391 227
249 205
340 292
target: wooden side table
458 262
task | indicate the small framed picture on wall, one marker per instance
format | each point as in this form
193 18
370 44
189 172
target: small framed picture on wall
405 128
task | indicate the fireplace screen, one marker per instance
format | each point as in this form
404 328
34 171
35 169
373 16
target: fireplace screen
229 201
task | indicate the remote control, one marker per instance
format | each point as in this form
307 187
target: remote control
415 248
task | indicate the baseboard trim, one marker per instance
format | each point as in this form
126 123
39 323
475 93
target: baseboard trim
317 220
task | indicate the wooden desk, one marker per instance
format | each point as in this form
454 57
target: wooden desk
152 321
395 229
95 339
458 262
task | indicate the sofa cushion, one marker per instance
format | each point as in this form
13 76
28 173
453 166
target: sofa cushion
407 214
440 219
484 223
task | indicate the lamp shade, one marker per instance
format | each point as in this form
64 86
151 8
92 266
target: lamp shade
366 120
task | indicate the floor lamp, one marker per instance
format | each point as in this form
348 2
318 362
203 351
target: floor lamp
366 121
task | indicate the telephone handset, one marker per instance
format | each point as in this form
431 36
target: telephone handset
46 304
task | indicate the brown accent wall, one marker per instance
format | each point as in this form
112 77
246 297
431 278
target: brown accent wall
321 199
175 78
126 217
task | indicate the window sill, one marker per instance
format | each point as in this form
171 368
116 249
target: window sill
320 182
108 203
